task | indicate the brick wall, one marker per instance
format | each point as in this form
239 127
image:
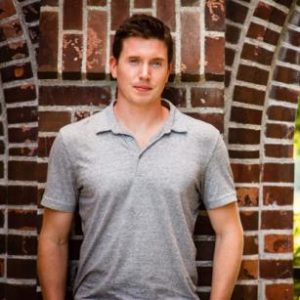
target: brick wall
255 112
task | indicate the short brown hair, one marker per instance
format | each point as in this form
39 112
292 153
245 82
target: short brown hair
145 26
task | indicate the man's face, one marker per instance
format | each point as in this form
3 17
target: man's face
142 70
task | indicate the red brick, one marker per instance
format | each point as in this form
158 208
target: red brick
232 34
97 2
278 172
22 114
34 34
278 195
262 33
13 51
282 219
2 218
248 95
214 119
42 172
229 56
17 291
21 245
205 250
50 2
9 30
2 246
252 74
22 93
249 270
24 134
269 13
250 245
279 291
281 113
276 269
278 243
257 54
279 131
244 154
176 95
286 75
21 268
53 121
142 3
246 115
166 12
295 18
190 2
3 194
279 151
72 56
215 15
48 50
246 173
7 9
190 50
74 95
23 151
22 170
22 219
249 220
207 97
244 136
227 78
245 292
289 55
21 195
16 72
31 12
292 37
80 115
72 14
203 226
96 44
2 147
215 58
247 196
2 267
204 276
119 12
236 12
284 94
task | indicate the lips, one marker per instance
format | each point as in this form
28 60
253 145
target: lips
142 88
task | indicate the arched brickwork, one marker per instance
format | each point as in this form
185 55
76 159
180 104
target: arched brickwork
257 116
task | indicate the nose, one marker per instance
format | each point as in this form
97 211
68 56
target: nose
145 71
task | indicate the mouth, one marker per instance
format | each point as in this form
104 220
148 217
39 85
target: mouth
142 88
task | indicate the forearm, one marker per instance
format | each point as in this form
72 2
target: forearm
226 264
52 268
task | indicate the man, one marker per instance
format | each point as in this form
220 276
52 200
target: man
137 170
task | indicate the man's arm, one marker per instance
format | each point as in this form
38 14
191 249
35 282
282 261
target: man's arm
53 253
228 250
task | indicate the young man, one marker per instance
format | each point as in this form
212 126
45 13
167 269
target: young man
137 171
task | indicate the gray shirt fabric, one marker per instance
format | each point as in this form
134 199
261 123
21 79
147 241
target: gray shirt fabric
138 207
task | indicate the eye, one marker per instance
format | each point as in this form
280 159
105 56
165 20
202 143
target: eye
133 60
156 64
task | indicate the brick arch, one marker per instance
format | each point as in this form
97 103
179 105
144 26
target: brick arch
18 198
262 90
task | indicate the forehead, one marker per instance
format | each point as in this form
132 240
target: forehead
137 46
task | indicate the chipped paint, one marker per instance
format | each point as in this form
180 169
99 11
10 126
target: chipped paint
213 6
94 49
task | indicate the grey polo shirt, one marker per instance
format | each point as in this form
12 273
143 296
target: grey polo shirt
138 207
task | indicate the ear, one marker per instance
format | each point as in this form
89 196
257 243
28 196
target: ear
113 66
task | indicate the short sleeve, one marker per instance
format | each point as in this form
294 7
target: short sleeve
218 185
61 192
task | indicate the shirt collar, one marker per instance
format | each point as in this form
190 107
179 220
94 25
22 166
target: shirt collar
106 121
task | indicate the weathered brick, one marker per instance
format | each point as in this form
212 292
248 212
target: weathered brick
21 268
119 12
74 95
215 15
270 13
176 95
203 226
13 51
249 220
286 75
72 56
215 58
229 56
53 121
21 245
7 9
292 37
190 50
22 114
205 250
45 144
17 291
252 74
249 270
96 44
204 276
9 30
248 95
96 2
21 219
262 33
3 194
21 195
289 55
281 113
246 173
278 195
47 58
276 269
34 33
245 115
16 72
278 243
79 115
22 93
279 131
42 172
243 154
23 134
279 291
244 136
22 170
232 34
207 97
284 94
236 12
166 12
31 12
247 196
30 151
257 54
282 219
279 151
227 78
245 292
250 245
72 14
142 3
279 172
215 119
